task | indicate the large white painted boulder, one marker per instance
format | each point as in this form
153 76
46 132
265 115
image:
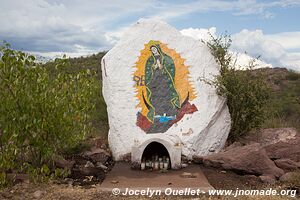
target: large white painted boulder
154 90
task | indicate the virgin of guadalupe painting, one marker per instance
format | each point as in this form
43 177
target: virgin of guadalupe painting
163 88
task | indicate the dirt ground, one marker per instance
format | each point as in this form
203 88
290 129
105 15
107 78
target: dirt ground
64 192
52 191
221 179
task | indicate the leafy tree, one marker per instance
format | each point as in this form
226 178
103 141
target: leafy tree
41 114
246 91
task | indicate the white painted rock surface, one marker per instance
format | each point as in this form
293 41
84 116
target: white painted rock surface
158 94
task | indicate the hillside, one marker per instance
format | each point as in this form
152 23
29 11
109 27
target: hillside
284 105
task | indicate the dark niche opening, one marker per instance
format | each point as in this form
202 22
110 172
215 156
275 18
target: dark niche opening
156 154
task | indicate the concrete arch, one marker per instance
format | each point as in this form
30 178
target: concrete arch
174 151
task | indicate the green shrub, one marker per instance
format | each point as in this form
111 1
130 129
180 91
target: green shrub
41 114
246 91
93 63
293 76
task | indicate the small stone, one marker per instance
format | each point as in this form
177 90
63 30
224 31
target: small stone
251 179
114 182
38 194
89 164
287 164
187 175
269 179
183 165
223 172
97 155
89 178
60 162
101 166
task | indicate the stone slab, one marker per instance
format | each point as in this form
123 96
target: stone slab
137 179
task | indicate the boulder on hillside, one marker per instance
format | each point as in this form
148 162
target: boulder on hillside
287 164
249 159
289 149
270 136
279 143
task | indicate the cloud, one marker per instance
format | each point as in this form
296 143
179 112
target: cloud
62 26
288 40
271 48
237 7
81 27
277 50
239 58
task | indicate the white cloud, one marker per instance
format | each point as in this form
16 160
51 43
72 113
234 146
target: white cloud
242 61
256 43
239 58
272 50
289 40
61 25
80 27
236 7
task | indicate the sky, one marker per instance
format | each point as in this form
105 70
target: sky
269 29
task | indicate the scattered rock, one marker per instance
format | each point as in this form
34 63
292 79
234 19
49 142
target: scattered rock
60 162
268 179
233 145
97 155
188 175
69 181
38 194
250 159
99 164
287 164
183 165
89 164
251 179
114 181
288 176
90 171
223 172
17 178
289 149
278 142
270 136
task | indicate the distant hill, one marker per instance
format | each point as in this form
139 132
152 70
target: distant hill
92 62
284 106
